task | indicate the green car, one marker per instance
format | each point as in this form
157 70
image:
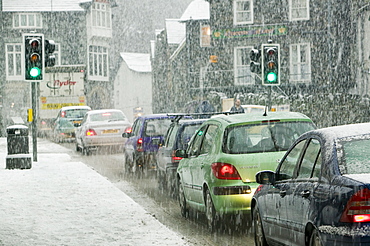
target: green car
217 172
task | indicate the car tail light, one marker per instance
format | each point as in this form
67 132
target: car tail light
225 171
90 133
358 207
43 122
139 145
128 129
174 158
63 114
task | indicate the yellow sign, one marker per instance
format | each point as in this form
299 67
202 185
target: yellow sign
60 105
29 115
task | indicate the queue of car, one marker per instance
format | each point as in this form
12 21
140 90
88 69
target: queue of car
299 185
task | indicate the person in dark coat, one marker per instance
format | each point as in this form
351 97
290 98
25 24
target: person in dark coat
237 108
205 107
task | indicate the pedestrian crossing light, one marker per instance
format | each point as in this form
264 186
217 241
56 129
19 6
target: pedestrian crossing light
270 64
33 56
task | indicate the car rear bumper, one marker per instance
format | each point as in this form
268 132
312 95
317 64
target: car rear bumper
103 141
345 235
233 199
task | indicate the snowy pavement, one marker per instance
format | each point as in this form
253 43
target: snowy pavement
61 202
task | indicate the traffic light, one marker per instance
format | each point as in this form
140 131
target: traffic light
270 64
255 64
49 50
33 62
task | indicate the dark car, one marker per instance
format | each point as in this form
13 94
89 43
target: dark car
177 137
142 142
320 191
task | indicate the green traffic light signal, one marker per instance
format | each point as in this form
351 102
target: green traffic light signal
34 72
271 77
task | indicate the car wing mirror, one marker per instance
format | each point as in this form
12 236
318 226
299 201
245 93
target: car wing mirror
181 153
265 177
126 135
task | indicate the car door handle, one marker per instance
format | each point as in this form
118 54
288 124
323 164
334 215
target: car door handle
305 193
283 193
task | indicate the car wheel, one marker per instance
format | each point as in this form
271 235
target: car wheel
259 235
77 147
211 214
161 179
85 150
128 165
182 200
315 238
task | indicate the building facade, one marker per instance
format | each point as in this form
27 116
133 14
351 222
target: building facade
82 31
324 60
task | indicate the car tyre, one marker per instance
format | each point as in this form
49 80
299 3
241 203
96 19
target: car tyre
182 200
85 150
259 235
315 238
161 180
128 165
211 213
78 149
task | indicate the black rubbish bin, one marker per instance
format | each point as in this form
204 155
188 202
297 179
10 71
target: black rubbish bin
18 148
17 139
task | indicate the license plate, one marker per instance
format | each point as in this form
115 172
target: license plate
110 131
76 122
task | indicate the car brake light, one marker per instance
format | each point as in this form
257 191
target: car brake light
225 171
174 158
139 145
90 133
128 129
358 207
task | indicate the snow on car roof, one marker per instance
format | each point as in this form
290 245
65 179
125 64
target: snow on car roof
75 107
258 116
345 130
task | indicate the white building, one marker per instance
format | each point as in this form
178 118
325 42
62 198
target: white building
133 85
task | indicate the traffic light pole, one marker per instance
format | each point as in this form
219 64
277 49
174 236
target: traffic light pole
34 97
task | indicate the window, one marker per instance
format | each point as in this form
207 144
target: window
243 12
300 63
205 36
101 15
196 142
209 138
299 10
242 72
27 20
13 61
289 163
309 160
98 62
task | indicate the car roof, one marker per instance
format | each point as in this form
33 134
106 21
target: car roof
75 107
259 117
191 121
97 111
342 131
157 116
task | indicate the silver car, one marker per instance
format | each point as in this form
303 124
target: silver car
101 128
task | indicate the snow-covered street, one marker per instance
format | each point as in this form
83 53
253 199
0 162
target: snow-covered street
61 202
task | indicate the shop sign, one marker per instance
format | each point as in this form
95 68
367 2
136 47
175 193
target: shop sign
249 32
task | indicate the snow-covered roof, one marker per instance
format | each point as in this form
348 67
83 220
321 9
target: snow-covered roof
137 62
42 5
176 31
197 10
